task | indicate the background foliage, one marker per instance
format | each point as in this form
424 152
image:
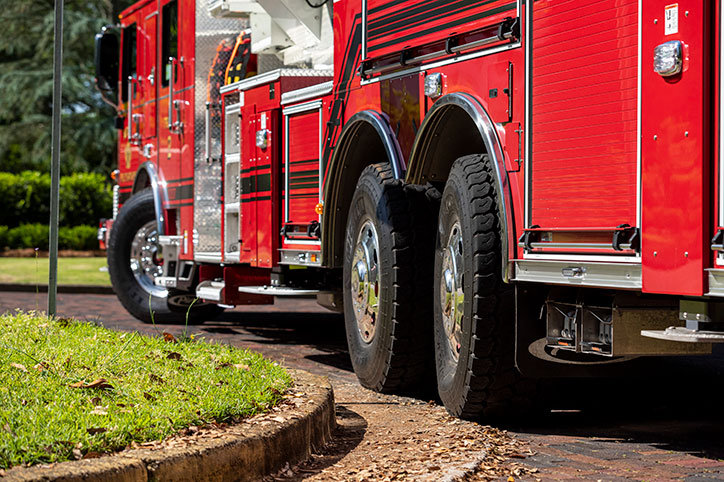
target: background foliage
84 198
79 238
26 85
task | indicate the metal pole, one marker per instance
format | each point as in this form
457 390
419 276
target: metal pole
55 157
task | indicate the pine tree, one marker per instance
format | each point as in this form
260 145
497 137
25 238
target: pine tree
26 86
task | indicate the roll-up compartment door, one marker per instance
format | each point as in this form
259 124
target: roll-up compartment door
583 127
302 177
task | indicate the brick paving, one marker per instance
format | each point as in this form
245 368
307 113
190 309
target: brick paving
664 428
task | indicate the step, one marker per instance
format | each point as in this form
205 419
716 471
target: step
678 333
210 290
279 291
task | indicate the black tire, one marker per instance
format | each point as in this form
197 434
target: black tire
476 372
137 295
397 355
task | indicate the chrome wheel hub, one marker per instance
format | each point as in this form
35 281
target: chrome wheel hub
452 297
146 260
365 281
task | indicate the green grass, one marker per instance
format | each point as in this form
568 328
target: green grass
85 271
153 388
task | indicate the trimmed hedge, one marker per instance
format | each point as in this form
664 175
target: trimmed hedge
79 238
25 199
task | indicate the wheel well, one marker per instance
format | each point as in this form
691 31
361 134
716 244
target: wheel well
359 146
457 125
450 135
141 182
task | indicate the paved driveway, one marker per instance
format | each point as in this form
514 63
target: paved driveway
666 423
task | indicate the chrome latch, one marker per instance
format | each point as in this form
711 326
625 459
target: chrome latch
573 272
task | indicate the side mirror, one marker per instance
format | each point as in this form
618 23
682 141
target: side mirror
107 61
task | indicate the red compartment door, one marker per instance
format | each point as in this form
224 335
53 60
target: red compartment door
302 180
584 114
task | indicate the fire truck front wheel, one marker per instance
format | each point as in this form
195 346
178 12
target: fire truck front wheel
474 308
387 278
134 261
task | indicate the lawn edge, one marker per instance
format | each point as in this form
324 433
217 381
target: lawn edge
262 449
64 288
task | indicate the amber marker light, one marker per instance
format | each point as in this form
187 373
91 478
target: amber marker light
114 174
319 208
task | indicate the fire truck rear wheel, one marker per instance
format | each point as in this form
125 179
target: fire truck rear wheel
474 308
134 261
387 279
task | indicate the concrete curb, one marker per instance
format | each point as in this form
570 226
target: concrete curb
77 289
260 450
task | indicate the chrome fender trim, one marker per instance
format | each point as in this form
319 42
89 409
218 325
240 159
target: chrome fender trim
333 174
486 129
387 136
158 187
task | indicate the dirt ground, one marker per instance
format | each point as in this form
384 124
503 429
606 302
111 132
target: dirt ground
389 438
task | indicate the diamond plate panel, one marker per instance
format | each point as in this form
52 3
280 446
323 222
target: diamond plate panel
207 173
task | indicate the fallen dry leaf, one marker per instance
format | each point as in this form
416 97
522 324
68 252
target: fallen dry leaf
148 396
155 378
242 366
93 431
92 455
168 337
174 356
100 384
19 367
99 411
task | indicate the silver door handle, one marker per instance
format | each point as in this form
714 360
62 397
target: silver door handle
133 139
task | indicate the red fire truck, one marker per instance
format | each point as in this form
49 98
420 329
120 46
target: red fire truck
491 191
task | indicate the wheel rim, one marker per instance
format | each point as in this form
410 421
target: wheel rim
365 281
146 261
452 297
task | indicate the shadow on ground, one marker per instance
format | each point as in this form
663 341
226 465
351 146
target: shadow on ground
672 404
351 429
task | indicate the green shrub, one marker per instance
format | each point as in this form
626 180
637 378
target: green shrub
25 198
80 238
84 199
29 236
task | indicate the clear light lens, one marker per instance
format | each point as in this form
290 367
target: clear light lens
668 58
261 138
433 85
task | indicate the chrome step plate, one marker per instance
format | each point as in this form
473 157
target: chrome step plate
279 291
210 290
677 333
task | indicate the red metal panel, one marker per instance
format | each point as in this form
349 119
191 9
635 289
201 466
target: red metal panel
235 276
675 164
248 167
584 124
499 76
266 192
393 25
